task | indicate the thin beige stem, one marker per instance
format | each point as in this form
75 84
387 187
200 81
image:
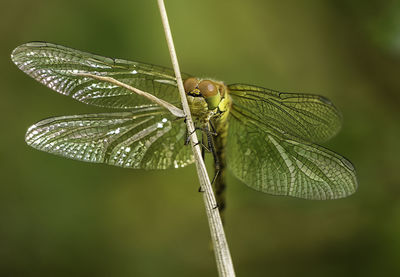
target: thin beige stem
220 244
174 110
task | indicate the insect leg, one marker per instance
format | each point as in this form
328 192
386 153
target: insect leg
213 130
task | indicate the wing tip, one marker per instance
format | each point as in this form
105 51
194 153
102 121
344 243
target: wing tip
27 45
30 135
24 48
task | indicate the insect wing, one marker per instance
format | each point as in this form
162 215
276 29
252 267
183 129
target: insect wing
147 138
309 117
285 165
57 67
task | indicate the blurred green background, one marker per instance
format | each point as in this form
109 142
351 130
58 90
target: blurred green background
61 217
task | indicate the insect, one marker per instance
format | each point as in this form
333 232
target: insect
268 139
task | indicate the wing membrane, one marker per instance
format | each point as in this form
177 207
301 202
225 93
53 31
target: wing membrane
57 66
309 117
285 165
147 138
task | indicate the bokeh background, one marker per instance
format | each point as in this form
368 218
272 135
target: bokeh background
60 217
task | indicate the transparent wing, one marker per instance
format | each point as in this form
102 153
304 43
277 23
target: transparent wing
269 162
310 117
147 138
56 67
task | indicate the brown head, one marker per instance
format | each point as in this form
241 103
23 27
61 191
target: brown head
207 89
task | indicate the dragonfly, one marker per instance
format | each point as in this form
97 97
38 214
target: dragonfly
269 140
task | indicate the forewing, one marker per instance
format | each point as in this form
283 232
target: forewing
57 67
309 117
285 165
147 138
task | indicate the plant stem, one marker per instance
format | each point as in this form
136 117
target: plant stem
220 244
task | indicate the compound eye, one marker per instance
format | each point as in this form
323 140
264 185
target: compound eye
190 84
208 88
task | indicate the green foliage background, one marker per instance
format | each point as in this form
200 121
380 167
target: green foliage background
61 217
